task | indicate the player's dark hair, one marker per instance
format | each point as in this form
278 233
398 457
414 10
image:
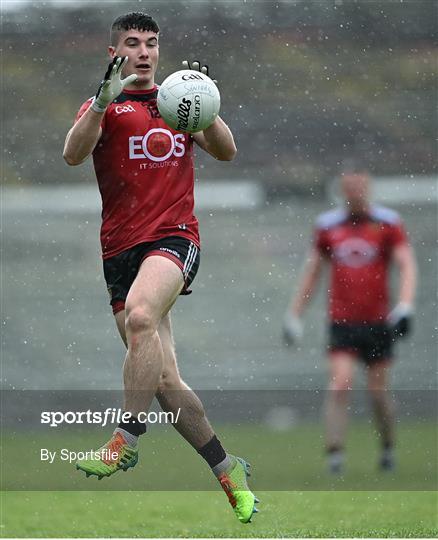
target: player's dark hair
132 21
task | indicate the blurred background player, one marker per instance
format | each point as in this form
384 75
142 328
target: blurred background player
359 242
150 244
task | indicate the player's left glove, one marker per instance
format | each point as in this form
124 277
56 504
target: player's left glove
292 329
112 85
196 66
400 319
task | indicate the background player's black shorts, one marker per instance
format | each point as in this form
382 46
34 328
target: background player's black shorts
121 270
370 342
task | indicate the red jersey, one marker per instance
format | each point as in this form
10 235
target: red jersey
145 174
359 250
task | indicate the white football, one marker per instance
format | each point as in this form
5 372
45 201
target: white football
188 101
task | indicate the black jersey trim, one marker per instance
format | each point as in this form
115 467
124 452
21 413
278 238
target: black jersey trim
136 97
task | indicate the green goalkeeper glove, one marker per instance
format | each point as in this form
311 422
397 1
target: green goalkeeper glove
112 84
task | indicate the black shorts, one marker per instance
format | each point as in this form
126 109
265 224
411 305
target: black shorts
370 342
121 270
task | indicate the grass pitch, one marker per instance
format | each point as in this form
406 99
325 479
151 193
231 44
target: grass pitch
207 514
403 504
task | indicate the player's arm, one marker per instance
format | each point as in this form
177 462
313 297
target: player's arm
403 256
217 140
83 136
292 326
307 285
400 317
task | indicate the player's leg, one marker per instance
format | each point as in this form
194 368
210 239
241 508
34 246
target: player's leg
175 395
377 355
341 371
153 291
378 383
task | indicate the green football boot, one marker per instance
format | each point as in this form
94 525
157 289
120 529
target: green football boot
116 454
235 486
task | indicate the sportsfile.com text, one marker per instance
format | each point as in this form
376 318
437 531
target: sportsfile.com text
108 416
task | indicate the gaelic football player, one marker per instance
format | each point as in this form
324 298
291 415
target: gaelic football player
150 243
359 242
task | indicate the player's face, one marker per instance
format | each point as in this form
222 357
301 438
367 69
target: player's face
355 188
141 48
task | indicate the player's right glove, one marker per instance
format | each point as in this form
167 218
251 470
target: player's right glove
400 320
196 66
292 329
112 84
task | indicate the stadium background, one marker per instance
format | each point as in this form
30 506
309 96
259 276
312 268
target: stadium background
304 85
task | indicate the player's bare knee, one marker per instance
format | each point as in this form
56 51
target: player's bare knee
169 380
139 320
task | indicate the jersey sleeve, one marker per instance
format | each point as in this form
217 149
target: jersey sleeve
396 234
320 241
85 106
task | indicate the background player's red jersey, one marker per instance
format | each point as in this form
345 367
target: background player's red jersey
145 174
359 250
